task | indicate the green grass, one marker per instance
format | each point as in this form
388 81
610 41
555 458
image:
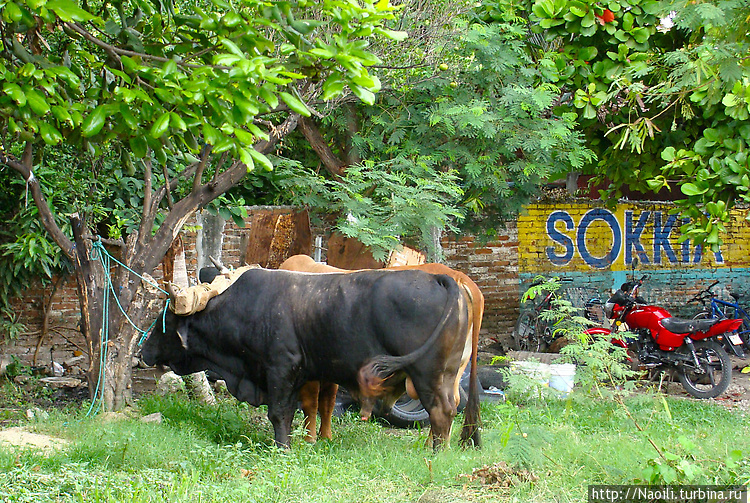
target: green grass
224 453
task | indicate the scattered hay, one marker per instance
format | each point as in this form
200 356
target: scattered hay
501 475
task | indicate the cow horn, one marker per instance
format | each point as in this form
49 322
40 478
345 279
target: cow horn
173 291
219 265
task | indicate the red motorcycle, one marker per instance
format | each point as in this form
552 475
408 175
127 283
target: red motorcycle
687 347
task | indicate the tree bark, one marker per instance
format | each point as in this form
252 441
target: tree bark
332 163
90 286
351 153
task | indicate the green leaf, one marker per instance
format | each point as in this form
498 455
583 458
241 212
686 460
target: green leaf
258 132
247 107
589 112
49 133
69 11
295 104
12 13
15 92
62 115
160 126
261 159
231 19
333 86
176 121
222 145
588 20
138 146
128 117
247 159
269 97
579 10
365 95
245 137
690 189
233 48
226 59
37 102
712 134
668 154
398 36
94 122
326 53
211 134
641 35
170 67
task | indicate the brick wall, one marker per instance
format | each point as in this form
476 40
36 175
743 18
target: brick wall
590 244
63 337
494 268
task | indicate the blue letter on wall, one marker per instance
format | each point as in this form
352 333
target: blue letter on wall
661 238
609 218
559 237
633 237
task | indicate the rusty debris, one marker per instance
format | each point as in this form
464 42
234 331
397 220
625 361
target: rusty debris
500 475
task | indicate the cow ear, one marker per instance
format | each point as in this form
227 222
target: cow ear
182 333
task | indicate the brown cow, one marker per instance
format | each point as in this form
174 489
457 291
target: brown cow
316 395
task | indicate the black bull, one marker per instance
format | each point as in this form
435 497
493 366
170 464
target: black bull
273 331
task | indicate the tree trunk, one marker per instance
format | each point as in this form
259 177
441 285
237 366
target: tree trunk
110 337
90 284
124 339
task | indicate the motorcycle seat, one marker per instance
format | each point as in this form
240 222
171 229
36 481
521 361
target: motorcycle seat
685 326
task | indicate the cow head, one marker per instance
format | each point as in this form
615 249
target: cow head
168 344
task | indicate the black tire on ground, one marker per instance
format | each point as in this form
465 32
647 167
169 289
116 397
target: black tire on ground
716 375
410 413
526 336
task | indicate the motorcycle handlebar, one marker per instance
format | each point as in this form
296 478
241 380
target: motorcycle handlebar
704 294
550 280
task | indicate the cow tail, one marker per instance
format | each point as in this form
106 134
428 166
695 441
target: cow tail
373 374
472 422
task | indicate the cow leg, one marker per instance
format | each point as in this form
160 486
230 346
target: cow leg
326 403
308 395
281 413
441 406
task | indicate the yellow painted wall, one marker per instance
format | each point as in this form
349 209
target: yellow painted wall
582 237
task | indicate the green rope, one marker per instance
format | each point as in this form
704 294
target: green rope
98 252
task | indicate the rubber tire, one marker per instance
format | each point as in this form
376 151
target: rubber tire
410 413
701 347
520 342
703 315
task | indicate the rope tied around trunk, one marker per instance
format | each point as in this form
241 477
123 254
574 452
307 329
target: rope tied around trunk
98 252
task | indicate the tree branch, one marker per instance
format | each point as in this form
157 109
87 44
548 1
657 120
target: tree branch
148 186
116 52
197 179
181 211
332 163
352 128
23 167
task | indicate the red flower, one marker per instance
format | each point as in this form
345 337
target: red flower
607 17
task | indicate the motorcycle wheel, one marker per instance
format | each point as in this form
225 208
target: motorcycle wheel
528 333
716 371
